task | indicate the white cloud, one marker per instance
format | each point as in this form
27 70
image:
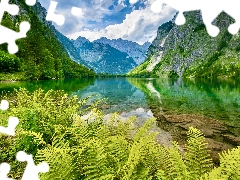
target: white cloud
139 26
93 10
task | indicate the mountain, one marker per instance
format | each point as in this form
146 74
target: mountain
102 58
133 49
188 50
40 55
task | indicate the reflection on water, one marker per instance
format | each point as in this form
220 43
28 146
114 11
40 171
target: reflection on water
176 103
215 99
68 85
219 100
119 95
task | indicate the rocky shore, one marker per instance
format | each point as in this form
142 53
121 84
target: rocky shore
217 135
175 126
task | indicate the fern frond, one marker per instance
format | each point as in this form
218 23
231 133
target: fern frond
229 166
144 130
37 137
117 126
94 161
175 167
135 162
197 157
161 175
117 148
59 156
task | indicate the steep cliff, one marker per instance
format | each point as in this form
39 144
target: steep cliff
188 50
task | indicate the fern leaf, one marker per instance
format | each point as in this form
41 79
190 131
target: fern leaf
229 166
197 157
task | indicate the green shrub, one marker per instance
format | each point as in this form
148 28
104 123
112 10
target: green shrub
9 63
54 128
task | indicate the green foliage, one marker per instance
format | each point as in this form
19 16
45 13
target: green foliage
40 55
197 158
229 166
190 50
140 70
9 63
109 75
200 28
80 144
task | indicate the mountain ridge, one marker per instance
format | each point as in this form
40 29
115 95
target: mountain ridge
133 49
188 51
103 58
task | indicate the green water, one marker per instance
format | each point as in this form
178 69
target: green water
216 99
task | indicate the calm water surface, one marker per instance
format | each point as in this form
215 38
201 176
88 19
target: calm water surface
216 99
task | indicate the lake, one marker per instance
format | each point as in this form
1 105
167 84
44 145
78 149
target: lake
184 102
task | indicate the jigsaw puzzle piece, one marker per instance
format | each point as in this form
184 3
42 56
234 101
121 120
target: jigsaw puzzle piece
4 105
208 13
231 7
181 6
12 124
4 170
234 28
51 16
9 36
31 170
30 2
208 16
10 8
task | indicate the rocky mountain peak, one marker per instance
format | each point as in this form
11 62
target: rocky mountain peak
189 51
133 49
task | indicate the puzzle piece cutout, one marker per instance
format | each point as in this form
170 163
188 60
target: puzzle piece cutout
210 10
31 170
51 16
58 18
4 170
10 130
4 105
7 35
12 122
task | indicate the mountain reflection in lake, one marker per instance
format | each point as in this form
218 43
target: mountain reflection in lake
119 95
214 99
211 106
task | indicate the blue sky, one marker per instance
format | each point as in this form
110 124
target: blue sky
112 19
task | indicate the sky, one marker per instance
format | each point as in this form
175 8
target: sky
112 19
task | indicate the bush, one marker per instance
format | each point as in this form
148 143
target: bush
9 63
80 144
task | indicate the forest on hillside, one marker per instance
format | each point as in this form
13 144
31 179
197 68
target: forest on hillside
40 55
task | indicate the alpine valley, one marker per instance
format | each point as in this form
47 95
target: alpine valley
78 111
114 56
55 56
